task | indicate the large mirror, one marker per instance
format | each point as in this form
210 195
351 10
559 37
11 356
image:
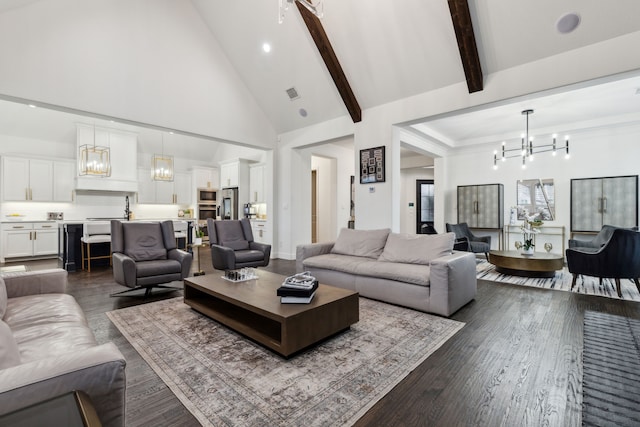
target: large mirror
536 196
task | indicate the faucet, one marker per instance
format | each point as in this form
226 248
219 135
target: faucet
127 212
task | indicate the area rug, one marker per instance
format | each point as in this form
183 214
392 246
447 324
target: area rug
226 379
562 282
611 380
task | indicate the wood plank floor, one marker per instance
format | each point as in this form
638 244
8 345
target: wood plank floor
516 362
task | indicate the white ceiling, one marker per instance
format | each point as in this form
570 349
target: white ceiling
393 50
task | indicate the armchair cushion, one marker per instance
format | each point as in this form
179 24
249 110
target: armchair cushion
144 241
232 236
364 243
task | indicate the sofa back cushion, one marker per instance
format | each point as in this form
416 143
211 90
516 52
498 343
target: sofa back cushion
9 353
3 298
143 241
364 243
417 248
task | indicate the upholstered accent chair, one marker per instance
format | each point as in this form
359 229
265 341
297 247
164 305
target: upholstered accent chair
599 240
618 258
232 245
466 240
145 256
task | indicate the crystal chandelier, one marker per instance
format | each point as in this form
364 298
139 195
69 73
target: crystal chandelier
94 160
527 150
162 166
314 6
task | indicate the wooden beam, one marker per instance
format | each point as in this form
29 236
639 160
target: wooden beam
331 61
463 27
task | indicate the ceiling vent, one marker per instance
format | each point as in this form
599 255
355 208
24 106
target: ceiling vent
292 93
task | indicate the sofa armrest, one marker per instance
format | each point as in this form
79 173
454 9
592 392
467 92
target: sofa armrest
453 282
306 251
124 269
98 371
184 258
223 258
51 281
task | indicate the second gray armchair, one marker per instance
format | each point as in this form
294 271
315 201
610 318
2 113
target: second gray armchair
232 245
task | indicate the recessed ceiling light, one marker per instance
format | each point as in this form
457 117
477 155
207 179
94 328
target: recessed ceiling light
568 22
266 47
32 105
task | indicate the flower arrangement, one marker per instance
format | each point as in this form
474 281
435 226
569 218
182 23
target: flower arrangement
529 231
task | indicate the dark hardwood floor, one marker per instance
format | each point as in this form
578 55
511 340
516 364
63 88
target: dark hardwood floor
517 362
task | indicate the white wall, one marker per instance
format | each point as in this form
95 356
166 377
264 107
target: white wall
150 61
594 153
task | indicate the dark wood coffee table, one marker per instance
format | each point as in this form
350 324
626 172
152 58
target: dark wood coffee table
253 309
516 264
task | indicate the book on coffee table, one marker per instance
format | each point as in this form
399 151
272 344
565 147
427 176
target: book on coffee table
285 291
297 300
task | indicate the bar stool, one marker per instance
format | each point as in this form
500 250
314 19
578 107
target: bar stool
94 232
180 232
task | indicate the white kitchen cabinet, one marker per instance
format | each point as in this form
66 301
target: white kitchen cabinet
259 228
27 239
234 173
256 184
25 179
63 180
205 178
177 191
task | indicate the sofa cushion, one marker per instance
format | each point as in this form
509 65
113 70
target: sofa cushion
143 241
3 298
416 274
417 248
9 353
42 309
342 263
363 243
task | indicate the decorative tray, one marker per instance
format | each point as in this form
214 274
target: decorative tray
242 279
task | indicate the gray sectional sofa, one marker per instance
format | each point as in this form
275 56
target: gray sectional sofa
419 271
47 349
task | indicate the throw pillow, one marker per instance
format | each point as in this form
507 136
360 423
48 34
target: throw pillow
364 243
417 248
3 298
9 353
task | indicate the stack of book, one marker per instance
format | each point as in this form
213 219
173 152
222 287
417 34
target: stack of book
298 289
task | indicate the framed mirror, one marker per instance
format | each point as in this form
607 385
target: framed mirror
536 196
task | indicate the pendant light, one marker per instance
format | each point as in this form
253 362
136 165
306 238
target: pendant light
162 165
94 160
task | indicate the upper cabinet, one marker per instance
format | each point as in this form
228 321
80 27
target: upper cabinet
256 184
599 201
176 192
481 206
206 177
123 155
235 173
37 180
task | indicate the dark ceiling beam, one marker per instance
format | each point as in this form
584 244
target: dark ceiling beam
463 27
331 61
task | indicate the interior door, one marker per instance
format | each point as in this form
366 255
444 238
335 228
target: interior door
425 190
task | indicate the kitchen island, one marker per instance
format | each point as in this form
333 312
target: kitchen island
70 232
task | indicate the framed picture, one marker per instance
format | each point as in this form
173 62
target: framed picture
372 165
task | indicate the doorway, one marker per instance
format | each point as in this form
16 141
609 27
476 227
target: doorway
314 206
425 190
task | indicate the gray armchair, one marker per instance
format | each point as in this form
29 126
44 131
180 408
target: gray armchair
598 241
145 256
467 241
618 258
232 245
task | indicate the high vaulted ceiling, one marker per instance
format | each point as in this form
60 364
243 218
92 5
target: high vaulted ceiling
390 50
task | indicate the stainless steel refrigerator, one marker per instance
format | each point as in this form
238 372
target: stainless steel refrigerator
229 203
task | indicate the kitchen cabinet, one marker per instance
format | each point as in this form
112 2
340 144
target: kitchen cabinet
37 180
25 179
174 192
64 173
607 200
256 184
205 178
260 228
234 173
29 239
481 206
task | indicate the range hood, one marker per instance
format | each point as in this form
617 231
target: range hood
123 146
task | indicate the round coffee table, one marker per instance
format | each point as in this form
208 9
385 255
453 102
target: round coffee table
516 264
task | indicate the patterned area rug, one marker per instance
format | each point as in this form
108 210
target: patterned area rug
611 382
226 379
562 282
